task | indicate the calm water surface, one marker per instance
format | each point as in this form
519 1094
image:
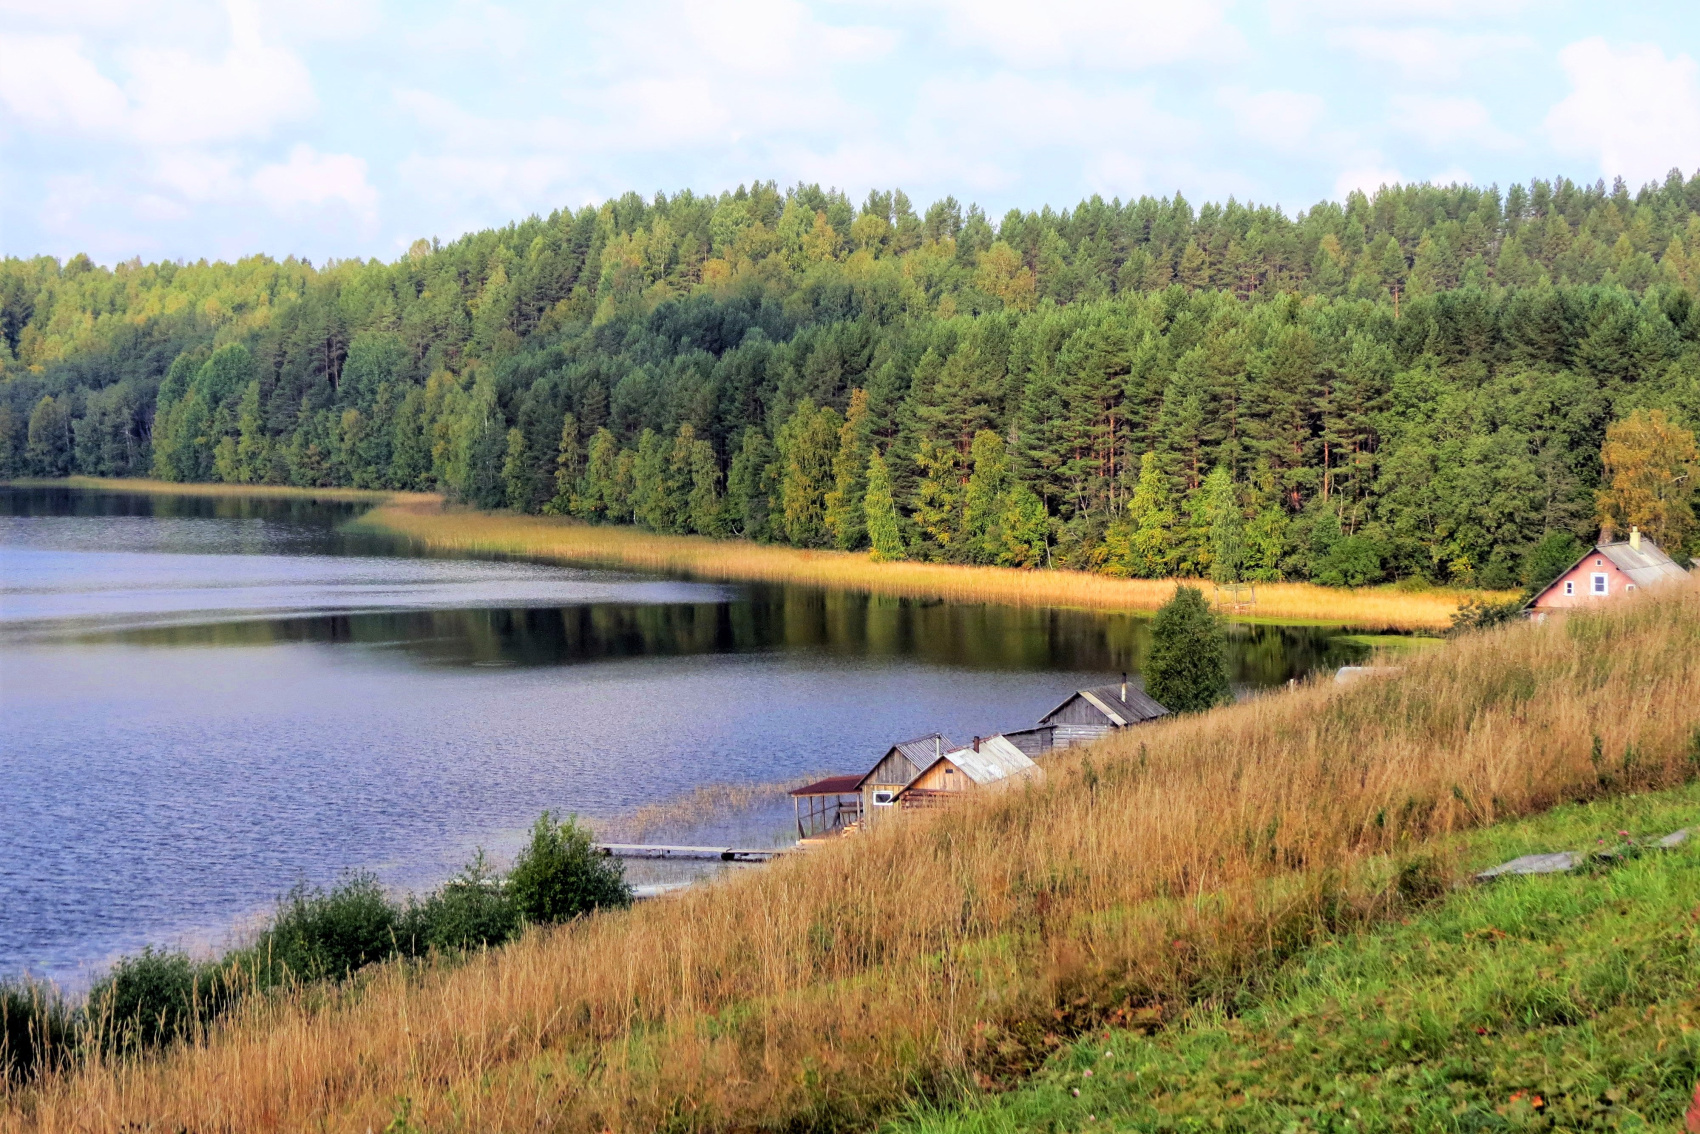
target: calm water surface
204 700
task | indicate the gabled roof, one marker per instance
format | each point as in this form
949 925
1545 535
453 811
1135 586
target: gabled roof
1645 565
919 752
997 759
1108 700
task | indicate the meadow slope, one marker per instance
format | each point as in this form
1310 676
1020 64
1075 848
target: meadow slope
956 950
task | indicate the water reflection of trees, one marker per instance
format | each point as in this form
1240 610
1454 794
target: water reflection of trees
772 618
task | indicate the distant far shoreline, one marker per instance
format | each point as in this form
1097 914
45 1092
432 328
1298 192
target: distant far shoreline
429 521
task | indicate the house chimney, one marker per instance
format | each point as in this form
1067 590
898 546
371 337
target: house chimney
1124 687
938 746
1635 538
976 744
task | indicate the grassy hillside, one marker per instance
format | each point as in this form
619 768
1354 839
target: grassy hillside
1178 864
1532 1003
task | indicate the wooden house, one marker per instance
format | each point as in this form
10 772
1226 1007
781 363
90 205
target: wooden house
986 763
1089 714
901 763
827 806
1610 570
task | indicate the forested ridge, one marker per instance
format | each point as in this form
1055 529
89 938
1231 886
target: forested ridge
1414 384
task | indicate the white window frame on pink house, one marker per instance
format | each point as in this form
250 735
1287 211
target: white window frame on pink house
1601 584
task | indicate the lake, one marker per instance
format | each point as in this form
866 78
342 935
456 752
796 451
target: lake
206 699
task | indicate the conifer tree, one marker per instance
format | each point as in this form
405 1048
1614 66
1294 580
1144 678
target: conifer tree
938 497
1187 668
569 470
601 493
516 472
1151 518
1227 527
983 499
880 512
705 504
845 515
807 445
651 502
746 496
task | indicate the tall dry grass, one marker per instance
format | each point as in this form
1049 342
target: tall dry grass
1169 862
542 537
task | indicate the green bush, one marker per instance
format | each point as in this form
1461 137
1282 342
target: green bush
558 877
1187 669
37 1030
319 934
156 997
473 909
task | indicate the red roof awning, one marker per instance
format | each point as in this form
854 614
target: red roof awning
832 785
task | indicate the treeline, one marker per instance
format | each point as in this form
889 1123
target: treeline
1411 385
160 996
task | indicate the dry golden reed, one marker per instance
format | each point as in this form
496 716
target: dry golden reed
1161 865
543 537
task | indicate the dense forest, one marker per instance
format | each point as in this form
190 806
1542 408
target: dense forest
1411 385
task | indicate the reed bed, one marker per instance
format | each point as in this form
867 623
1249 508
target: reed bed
952 950
567 541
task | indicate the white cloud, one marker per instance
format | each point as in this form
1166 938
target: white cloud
1366 177
197 176
1287 12
1110 34
49 84
1632 109
314 179
1426 54
1282 120
183 99
1444 123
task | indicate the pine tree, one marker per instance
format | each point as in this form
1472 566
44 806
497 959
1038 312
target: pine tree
651 502
982 502
705 506
1151 519
1227 527
845 515
880 512
807 444
516 472
600 498
1187 668
1024 528
746 496
569 471
938 497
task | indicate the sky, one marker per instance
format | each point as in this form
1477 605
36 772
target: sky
183 129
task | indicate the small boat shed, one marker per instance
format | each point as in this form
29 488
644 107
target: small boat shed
827 806
990 762
1091 713
899 766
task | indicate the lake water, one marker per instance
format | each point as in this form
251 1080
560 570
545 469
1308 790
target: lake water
204 700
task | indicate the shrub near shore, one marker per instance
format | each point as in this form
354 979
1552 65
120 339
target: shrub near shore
1169 864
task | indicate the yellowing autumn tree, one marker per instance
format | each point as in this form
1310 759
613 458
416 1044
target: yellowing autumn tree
1650 464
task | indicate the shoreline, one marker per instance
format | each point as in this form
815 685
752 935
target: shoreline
427 520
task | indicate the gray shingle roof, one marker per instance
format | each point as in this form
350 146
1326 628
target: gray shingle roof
1644 565
1136 708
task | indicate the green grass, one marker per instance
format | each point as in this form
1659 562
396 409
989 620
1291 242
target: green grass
1565 1002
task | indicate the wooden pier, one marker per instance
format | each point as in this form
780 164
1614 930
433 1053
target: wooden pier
721 854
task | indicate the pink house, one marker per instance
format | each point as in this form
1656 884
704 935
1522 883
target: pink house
1608 571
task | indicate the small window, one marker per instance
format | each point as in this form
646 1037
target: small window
1599 562
1599 583
950 771
883 798
1570 586
1628 587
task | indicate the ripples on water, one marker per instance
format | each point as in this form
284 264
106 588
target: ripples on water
205 699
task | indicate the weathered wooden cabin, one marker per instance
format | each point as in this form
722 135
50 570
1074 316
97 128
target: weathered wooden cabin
1088 714
827 806
901 763
1611 570
988 762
